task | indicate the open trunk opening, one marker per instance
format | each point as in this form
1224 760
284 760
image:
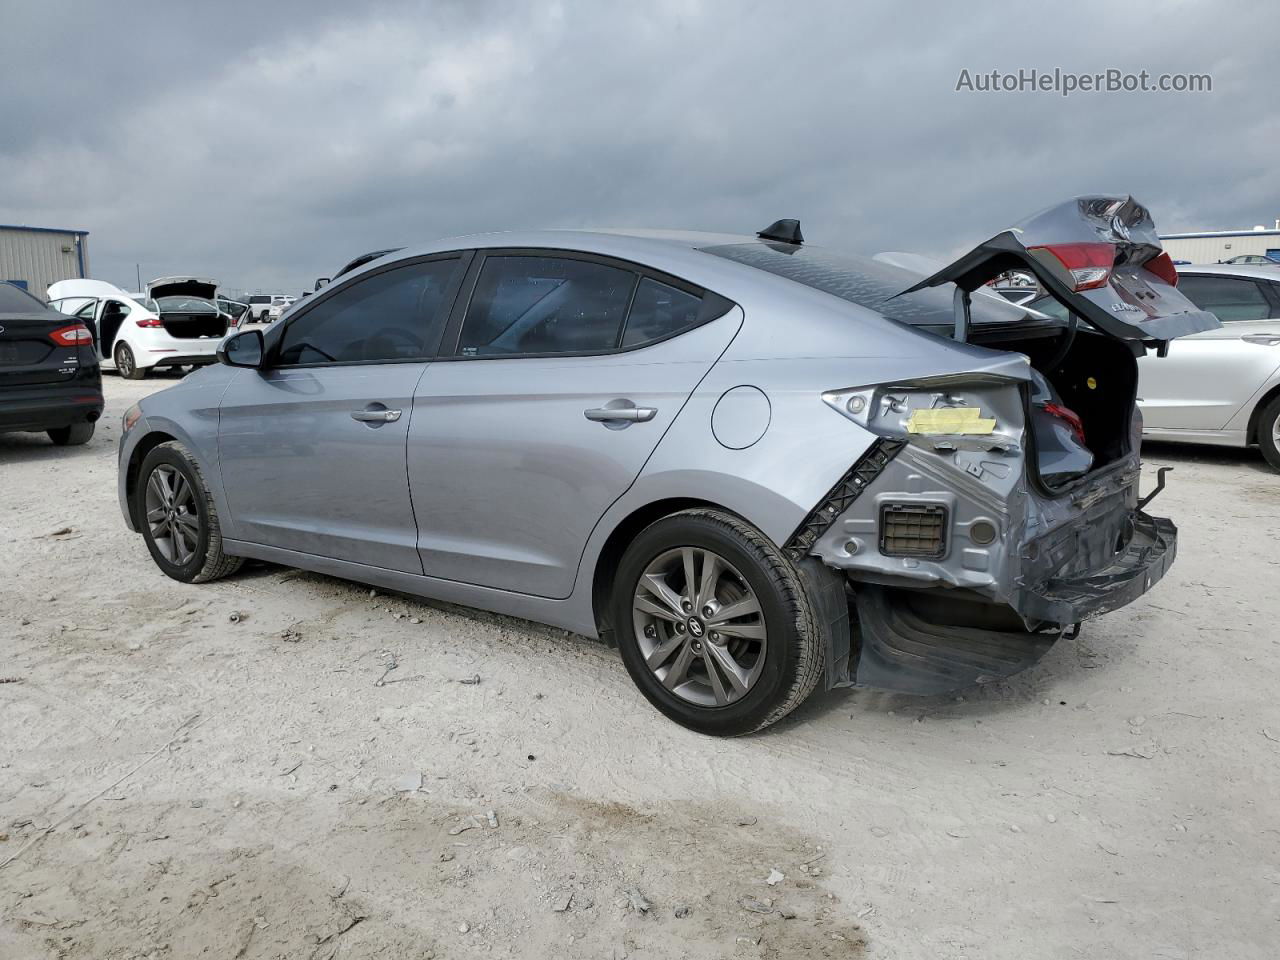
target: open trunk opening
1096 377
189 318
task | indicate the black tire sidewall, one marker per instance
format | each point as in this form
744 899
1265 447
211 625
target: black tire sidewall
134 373
187 572
1266 426
780 666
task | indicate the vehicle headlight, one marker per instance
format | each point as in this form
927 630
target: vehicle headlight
132 416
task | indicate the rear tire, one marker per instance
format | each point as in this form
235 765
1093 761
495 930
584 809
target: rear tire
127 364
1269 433
72 436
728 674
178 518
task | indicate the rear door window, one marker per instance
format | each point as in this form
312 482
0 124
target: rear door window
532 305
1230 298
396 314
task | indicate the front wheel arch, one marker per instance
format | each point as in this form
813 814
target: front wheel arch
144 446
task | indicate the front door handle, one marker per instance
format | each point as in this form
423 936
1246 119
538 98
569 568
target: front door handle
629 414
375 416
1262 339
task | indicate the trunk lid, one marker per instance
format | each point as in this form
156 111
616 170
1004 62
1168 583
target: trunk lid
202 287
1101 257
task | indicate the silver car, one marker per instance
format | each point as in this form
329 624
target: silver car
1220 386
754 465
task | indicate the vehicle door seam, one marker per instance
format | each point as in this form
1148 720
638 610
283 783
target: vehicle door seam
689 396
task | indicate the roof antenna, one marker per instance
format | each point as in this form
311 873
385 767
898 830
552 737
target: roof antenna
786 231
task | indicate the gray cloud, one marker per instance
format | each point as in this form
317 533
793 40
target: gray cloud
267 143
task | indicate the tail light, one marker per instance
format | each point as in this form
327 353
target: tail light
72 336
1070 417
1162 266
1088 263
149 323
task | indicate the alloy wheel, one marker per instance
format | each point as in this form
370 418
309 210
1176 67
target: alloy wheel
699 626
124 360
172 517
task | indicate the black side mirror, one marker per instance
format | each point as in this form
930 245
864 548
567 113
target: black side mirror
243 349
321 282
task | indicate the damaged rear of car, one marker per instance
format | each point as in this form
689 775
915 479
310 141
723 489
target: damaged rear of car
995 509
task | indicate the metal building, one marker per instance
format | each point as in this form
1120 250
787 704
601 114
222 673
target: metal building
1217 245
35 257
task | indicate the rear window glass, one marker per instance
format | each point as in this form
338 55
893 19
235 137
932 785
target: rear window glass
866 282
16 300
185 305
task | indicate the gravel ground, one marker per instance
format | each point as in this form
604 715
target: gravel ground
176 784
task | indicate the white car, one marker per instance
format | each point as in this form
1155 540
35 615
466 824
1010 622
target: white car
134 334
260 304
1220 386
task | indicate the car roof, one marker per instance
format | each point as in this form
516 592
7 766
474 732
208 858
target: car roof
676 252
1256 271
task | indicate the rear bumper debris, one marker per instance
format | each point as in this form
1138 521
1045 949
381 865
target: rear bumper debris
1075 595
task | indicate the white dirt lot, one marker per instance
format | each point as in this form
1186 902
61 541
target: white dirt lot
174 784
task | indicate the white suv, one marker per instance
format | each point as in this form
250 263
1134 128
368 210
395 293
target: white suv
261 303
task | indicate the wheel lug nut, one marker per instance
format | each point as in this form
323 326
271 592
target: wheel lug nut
679 628
714 636
686 606
650 632
707 611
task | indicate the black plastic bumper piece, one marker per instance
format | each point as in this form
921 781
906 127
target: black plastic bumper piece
1135 569
903 652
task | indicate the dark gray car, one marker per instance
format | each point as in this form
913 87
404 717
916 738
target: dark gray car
755 465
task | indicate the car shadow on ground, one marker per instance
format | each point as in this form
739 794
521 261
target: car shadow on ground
1174 453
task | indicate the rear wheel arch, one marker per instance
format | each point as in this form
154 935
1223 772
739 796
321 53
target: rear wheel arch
615 545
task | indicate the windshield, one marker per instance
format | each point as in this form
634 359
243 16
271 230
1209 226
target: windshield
866 282
184 305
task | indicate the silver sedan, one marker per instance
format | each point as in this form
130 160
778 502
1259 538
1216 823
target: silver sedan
755 465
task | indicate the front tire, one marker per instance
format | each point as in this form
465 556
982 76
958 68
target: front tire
73 436
127 364
714 624
178 518
1269 432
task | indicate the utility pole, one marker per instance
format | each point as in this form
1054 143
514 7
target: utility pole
138 267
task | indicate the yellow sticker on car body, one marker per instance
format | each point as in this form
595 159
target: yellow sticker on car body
952 420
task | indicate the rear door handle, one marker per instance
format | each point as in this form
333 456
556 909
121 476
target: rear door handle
1262 339
375 416
624 414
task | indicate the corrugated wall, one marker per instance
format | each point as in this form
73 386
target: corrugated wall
41 258
1214 249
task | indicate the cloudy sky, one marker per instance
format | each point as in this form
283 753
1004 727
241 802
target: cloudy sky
267 143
